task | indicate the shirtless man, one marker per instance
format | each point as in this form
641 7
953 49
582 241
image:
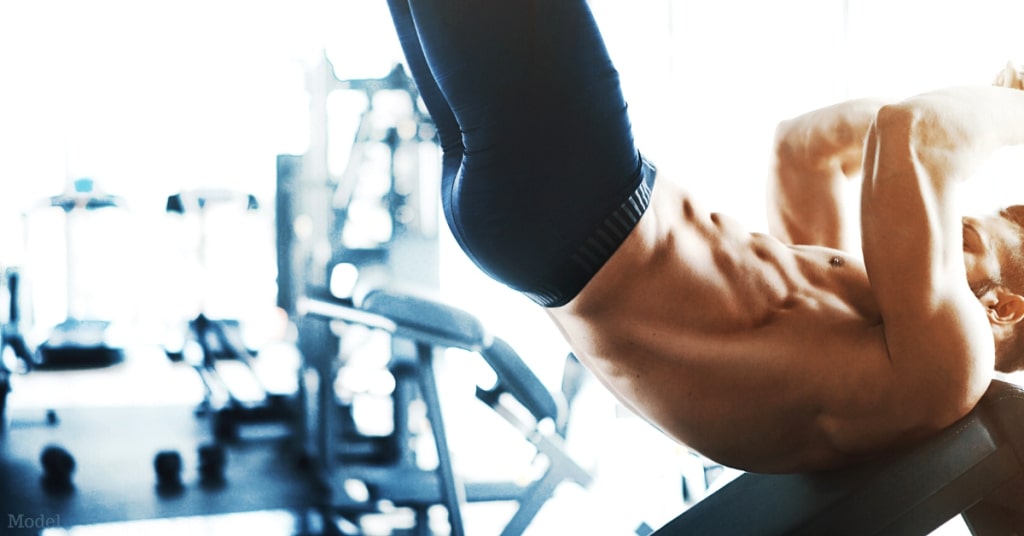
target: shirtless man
762 355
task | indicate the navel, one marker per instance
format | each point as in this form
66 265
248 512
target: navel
836 261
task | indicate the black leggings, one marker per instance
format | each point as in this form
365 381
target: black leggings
541 179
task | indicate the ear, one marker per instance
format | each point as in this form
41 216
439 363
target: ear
1003 307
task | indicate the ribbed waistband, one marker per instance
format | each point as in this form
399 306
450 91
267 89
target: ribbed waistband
602 243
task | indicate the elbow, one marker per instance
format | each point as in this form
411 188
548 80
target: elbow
896 121
974 389
970 385
952 404
915 124
936 394
893 143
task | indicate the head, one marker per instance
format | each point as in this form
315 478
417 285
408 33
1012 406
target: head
994 258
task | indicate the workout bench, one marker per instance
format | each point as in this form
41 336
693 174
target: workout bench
975 468
420 328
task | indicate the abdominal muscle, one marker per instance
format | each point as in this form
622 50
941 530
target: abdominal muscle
746 368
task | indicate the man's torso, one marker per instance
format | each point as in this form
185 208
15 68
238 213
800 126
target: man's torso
745 349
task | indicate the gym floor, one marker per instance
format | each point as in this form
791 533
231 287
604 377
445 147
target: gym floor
637 471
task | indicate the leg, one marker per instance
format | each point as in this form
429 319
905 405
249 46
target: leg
526 98
440 111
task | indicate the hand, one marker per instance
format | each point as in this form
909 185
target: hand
1011 76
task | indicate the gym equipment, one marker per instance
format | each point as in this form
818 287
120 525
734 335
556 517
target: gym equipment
114 476
317 224
5 389
79 341
213 459
58 467
221 338
387 173
398 190
11 337
168 464
218 338
975 468
419 329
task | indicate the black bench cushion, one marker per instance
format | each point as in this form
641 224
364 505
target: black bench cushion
910 492
463 330
459 328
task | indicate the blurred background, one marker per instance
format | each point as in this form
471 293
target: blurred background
149 99
152 99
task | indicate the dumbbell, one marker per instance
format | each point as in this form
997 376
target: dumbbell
58 466
212 463
168 464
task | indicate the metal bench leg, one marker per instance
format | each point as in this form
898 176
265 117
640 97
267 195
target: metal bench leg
452 491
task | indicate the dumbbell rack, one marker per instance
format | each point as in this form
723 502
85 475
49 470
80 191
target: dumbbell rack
115 480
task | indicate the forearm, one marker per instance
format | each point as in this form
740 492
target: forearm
814 157
953 131
829 136
806 207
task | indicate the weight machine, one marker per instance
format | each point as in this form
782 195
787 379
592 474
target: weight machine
420 329
11 338
318 210
315 247
220 339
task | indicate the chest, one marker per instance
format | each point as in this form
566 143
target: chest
838 280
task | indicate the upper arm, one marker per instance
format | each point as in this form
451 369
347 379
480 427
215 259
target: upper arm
937 336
